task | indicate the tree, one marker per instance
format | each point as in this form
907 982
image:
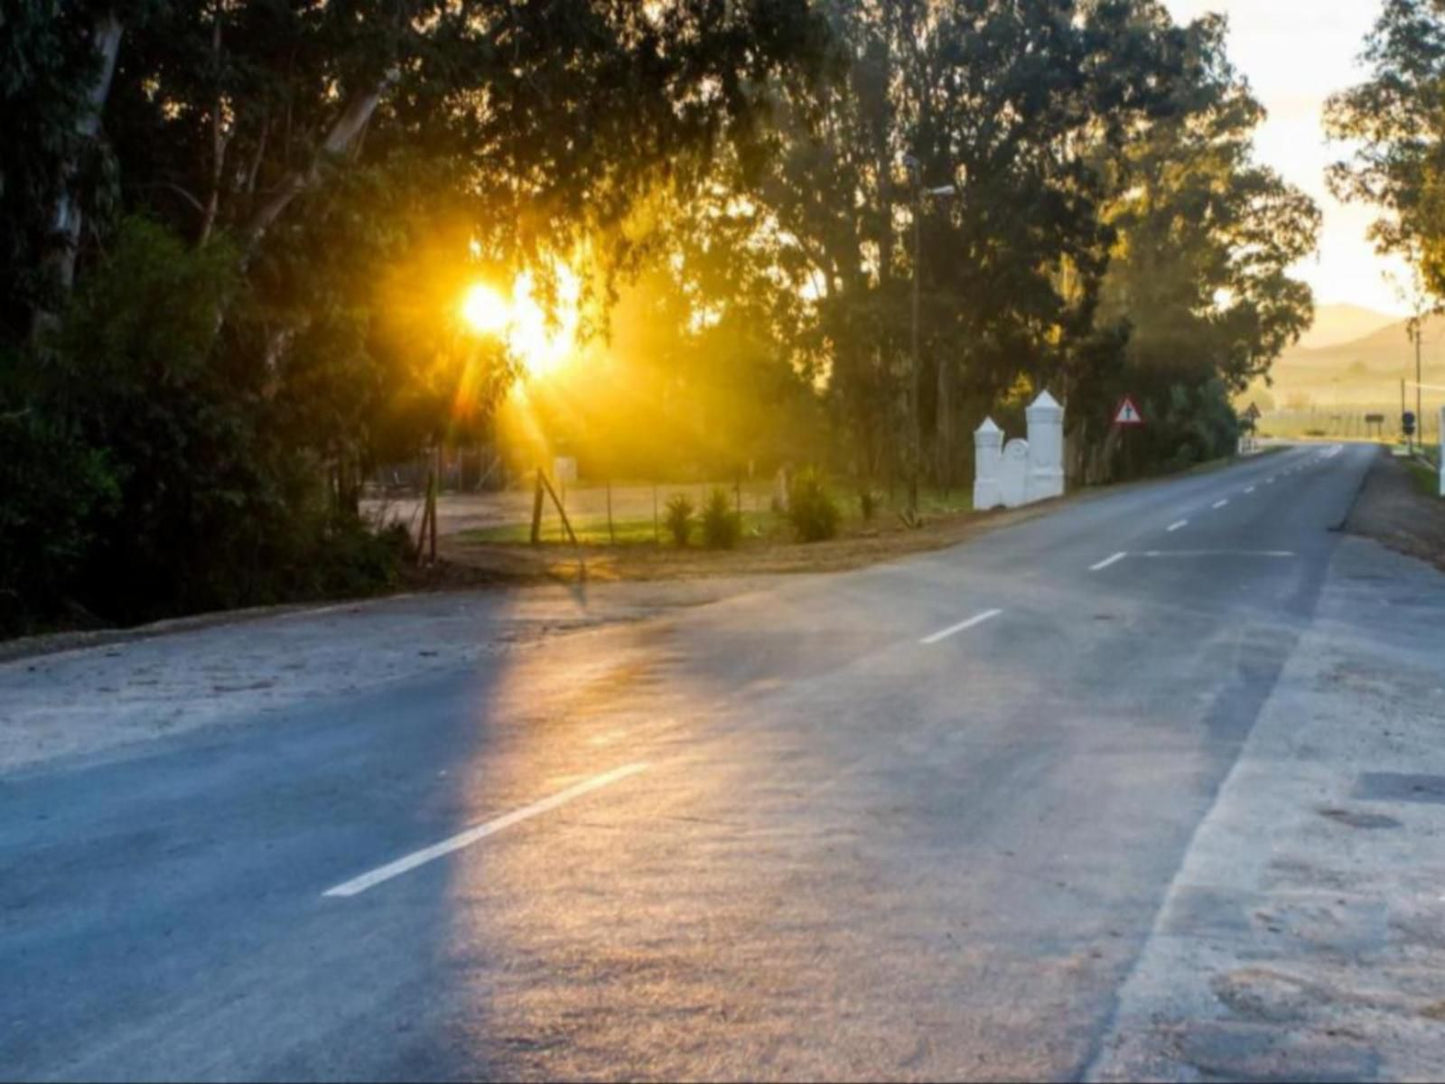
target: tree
285 165
1018 106
1199 275
1396 119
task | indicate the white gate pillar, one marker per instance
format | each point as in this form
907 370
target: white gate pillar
1046 448
987 457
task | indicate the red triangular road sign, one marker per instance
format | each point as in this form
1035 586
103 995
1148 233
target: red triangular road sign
1128 413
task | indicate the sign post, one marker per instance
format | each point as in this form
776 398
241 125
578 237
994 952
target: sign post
1127 416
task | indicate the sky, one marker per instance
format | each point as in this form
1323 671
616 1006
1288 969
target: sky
1295 53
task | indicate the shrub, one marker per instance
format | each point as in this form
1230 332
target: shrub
721 526
811 508
679 518
867 505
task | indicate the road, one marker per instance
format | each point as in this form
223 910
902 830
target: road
916 821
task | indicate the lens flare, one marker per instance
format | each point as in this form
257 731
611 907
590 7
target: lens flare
541 344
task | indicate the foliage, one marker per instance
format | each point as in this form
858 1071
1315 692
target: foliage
867 505
679 518
1198 299
229 275
811 508
271 210
721 527
55 487
1395 123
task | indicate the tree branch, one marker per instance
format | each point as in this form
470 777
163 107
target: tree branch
344 132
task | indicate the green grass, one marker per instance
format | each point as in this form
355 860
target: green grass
760 524
592 531
1427 480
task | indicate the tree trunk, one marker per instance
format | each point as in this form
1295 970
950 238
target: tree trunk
344 133
943 424
66 217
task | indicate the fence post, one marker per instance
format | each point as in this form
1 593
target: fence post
537 509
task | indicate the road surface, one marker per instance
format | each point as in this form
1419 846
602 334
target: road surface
916 821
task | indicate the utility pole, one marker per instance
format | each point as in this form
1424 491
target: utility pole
1409 440
1419 411
916 457
915 179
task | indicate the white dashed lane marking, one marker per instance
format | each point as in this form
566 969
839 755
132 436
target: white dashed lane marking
472 835
1107 561
976 619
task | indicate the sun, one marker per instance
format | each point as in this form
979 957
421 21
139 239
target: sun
541 345
485 310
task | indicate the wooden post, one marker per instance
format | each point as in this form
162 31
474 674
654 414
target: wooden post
432 510
537 509
566 523
426 537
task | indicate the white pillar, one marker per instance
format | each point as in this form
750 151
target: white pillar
1046 448
1441 451
987 456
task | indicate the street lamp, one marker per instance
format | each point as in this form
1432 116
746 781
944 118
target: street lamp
915 176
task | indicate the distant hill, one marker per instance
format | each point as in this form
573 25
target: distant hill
1335 324
1362 372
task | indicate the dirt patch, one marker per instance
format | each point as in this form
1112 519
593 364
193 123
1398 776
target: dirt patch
1394 510
864 546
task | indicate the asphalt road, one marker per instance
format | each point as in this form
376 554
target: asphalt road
910 822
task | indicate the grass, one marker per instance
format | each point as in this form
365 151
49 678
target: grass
1427 480
757 525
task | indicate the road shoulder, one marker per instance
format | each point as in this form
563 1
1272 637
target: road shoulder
106 696
1301 938
1395 510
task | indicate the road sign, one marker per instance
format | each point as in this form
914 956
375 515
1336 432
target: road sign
1128 413
1374 419
1408 420
1252 412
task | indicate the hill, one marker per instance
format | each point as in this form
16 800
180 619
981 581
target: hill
1363 373
1335 324
1329 390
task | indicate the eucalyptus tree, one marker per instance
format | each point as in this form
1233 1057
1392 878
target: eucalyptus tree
1200 272
1395 121
1016 104
327 171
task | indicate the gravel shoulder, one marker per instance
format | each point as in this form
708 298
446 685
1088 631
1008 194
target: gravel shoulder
1302 937
1394 510
106 694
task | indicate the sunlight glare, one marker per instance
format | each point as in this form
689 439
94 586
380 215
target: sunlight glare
485 310
540 345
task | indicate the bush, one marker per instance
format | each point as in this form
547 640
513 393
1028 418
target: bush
721 526
55 488
679 518
148 467
867 505
812 510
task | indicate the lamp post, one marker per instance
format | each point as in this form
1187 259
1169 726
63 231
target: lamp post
915 178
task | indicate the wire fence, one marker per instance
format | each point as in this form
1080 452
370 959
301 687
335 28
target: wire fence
1367 421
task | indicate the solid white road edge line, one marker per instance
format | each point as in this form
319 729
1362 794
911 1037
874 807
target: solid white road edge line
1107 561
1220 504
976 619
1179 524
482 831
